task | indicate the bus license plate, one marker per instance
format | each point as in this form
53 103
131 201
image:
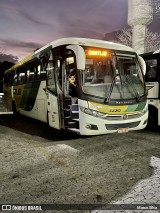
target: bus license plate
122 130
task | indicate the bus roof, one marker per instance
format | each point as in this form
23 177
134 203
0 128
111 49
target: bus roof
87 42
74 40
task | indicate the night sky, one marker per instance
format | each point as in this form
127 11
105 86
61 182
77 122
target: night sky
26 25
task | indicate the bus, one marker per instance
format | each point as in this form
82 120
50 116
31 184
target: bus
108 94
152 79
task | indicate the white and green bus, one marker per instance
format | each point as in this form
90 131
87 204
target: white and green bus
152 78
108 96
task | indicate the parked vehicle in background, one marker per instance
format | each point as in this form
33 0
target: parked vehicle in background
152 78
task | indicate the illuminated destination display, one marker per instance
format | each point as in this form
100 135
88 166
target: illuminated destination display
97 53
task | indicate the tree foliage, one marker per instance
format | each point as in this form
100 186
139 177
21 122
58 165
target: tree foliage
5 65
152 41
7 57
125 37
6 61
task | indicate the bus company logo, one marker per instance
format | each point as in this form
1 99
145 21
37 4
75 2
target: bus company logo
124 102
124 117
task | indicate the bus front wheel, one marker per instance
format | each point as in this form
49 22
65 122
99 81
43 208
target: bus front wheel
152 119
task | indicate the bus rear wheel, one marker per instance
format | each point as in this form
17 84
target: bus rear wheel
14 108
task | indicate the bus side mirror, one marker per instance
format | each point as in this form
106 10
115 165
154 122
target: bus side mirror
80 55
143 64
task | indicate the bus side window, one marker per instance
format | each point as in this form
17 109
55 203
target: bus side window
151 70
30 72
22 76
43 74
58 70
5 79
40 74
51 82
15 78
37 70
8 80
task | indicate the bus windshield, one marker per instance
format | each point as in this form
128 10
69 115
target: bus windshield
113 76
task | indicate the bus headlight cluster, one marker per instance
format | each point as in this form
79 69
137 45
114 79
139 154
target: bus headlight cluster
93 112
145 110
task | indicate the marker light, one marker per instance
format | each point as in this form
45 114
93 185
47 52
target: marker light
97 53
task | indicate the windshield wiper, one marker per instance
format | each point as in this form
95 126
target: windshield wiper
133 86
108 95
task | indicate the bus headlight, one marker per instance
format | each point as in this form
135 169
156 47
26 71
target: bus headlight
145 110
93 112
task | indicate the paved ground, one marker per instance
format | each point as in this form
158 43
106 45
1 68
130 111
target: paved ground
40 165
146 191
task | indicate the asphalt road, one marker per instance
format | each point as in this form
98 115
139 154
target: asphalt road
40 165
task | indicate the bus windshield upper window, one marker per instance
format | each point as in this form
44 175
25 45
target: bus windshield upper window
151 70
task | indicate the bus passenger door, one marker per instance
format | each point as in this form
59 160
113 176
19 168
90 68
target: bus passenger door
53 112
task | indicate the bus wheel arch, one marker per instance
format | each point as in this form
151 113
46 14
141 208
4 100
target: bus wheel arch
153 117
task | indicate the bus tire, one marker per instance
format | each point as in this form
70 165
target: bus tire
47 119
14 108
152 119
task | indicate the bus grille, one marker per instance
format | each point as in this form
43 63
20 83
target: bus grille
126 125
121 117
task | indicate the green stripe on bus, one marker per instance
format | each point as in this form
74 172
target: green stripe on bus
29 95
141 106
136 107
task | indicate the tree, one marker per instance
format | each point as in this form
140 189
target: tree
6 61
125 37
7 57
152 39
4 66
